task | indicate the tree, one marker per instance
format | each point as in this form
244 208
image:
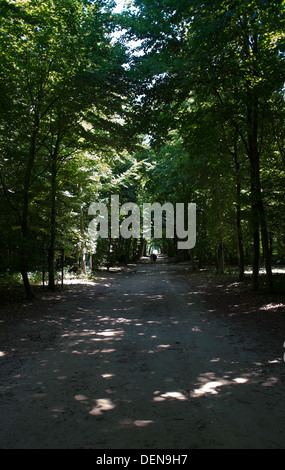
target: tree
59 71
232 53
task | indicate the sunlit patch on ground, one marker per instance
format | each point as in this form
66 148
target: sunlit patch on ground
102 404
158 396
272 306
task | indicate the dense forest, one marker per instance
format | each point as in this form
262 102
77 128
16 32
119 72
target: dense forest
162 101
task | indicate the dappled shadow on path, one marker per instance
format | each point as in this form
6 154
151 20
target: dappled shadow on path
141 362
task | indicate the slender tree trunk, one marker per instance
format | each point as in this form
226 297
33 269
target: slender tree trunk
265 245
256 248
254 158
193 264
25 252
77 262
257 200
27 285
135 249
240 251
51 256
81 265
82 255
281 149
109 255
127 251
144 248
220 259
141 248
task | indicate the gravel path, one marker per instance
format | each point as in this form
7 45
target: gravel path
136 361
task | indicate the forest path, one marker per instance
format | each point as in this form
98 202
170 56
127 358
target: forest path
138 361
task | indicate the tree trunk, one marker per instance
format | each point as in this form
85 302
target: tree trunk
253 125
257 201
240 251
256 250
28 289
77 262
51 257
127 251
25 214
135 249
142 248
220 259
24 255
192 257
82 255
265 245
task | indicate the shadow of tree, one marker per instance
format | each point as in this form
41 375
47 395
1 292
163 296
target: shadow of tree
138 361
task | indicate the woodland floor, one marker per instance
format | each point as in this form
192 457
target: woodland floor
146 357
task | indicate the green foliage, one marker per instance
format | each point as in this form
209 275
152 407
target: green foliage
196 114
213 73
63 91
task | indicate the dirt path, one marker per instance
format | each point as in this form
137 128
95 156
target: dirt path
136 362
